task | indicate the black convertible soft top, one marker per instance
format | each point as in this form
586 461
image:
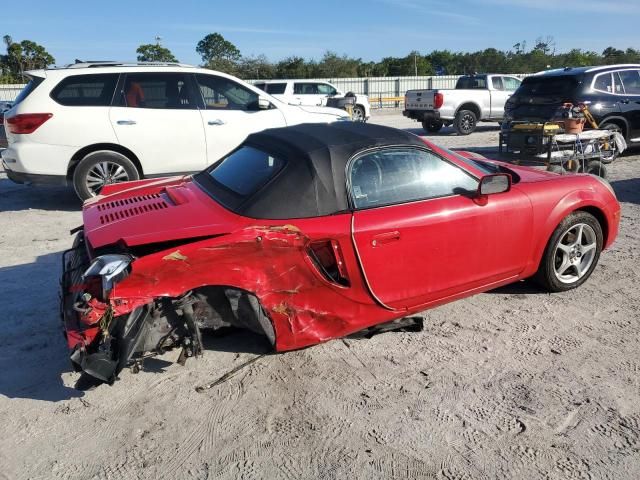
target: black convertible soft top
312 182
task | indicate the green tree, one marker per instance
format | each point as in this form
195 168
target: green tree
292 67
332 65
22 56
154 52
612 55
255 68
218 53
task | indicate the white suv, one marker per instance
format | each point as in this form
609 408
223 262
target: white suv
313 92
92 124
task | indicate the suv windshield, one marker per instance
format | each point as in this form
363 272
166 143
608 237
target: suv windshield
239 176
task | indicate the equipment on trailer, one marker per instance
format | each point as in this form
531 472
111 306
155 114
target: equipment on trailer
562 147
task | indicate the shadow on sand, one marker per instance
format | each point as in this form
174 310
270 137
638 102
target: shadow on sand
15 197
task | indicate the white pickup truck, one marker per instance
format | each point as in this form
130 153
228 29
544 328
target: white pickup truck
475 98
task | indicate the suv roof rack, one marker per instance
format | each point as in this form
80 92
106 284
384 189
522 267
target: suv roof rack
110 63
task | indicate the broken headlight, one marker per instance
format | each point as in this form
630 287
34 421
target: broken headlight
106 271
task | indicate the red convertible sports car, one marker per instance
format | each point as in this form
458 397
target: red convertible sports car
313 232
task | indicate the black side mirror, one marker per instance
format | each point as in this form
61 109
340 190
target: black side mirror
496 183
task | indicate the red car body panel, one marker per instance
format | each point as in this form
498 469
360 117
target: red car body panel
399 259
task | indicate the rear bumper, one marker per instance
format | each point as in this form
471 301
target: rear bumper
34 179
422 115
37 162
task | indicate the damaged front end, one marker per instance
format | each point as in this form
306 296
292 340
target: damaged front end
106 335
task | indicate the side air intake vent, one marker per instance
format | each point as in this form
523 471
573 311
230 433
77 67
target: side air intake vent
129 207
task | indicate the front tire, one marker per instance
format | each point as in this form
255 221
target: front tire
432 126
101 168
465 122
571 254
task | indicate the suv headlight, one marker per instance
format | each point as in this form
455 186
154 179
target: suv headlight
109 269
346 118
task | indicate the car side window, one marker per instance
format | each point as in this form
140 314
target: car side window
511 84
603 83
156 90
630 81
94 90
305 89
496 82
324 89
219 93
617 84
400 175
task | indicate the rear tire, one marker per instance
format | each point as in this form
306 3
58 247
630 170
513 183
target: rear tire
101 168
358 114
465 122
571 254
432 126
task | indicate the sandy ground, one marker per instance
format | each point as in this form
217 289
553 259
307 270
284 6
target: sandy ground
514 383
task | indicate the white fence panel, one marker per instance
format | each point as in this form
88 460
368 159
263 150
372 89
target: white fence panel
8 93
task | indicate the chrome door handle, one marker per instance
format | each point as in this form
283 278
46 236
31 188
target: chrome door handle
126 122
217 121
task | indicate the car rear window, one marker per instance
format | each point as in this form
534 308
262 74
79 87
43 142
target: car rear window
471 83
28 88
95 90
240 175
552 85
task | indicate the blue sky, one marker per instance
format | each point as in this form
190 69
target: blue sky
371 29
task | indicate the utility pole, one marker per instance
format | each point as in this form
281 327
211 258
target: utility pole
415 63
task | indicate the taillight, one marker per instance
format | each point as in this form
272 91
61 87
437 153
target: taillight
327 256
27 122
438 99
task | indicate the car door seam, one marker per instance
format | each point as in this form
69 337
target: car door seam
364 274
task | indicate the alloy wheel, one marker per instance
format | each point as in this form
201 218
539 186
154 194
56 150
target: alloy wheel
357 115
574 253
468 122
105 173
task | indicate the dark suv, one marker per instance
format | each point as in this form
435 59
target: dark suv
612 93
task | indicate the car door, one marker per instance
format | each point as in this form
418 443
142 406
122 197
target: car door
498 97
307 93
230 113
156 117
420 233
630 101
